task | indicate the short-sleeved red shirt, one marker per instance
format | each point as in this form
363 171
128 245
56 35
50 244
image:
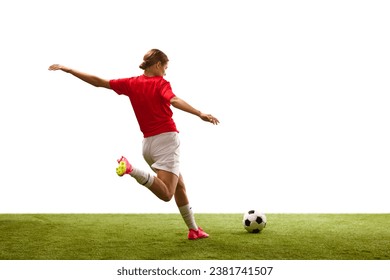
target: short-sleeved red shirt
150 98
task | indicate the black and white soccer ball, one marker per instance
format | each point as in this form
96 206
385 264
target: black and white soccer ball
254 221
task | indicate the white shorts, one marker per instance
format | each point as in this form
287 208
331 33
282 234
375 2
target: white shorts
162 152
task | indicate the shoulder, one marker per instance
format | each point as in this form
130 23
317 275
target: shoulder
164 82
120 80
122 85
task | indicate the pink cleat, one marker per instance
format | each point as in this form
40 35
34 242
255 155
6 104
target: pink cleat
124 167
197 234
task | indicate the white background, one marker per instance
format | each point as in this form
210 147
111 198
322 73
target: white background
301 89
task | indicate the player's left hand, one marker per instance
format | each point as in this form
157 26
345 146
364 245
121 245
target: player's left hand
209 118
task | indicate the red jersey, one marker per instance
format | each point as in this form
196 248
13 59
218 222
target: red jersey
150 98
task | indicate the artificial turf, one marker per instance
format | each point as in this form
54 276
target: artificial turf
163 237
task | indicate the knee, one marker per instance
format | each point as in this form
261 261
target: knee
167 197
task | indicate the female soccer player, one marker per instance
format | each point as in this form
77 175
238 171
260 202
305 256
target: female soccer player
151 96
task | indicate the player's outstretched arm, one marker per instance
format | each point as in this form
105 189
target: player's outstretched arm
184 106
90 79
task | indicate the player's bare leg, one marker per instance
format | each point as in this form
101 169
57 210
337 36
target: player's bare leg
180 193
164 185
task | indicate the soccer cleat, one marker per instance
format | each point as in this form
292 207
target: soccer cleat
197 234
124 167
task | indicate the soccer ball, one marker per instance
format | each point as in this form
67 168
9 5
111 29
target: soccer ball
254 221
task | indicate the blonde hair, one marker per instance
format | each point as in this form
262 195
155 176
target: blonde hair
152 57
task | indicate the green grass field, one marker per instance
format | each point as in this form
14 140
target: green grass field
163 236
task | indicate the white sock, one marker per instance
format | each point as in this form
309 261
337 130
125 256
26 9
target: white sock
188 216
142 177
